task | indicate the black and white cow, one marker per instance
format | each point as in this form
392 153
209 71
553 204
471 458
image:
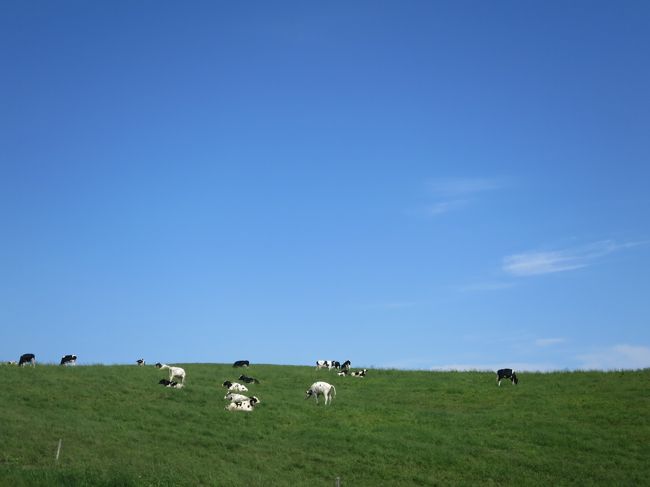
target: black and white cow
360 373
234 386
170 383
241 363
346 365
507 374
233 396
248 380
27 358
343 372
246 406
68 360
327 364
140 362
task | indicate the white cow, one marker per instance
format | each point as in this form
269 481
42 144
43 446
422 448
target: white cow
242 405
328 391
174 372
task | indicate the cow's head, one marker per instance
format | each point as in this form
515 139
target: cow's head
515 379
159 365
227 383
309 393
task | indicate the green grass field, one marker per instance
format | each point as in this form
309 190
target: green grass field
119 427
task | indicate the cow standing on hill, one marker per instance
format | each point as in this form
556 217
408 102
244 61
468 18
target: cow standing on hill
27 358
68 360
507 374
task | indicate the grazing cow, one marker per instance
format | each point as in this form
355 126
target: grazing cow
249 380
360 373
170 383
328 391
27 358
68 360
241 363
327 364
174 372
507 374
234 386
242 405
232 396
346 365
140 362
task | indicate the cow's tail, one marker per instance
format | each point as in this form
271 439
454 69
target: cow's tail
334 390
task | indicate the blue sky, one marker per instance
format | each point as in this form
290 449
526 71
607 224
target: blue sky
424 185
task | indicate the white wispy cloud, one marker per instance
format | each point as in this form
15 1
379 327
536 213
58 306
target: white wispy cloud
546 262
456 193
546 342
617 357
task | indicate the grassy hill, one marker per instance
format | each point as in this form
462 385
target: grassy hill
119 427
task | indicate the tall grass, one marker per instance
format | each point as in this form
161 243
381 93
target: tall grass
119 427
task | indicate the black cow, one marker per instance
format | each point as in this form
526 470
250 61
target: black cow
248 380
241 363
27 358
68 360
346 365
140 361
507 374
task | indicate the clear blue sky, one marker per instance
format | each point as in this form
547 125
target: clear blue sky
402 184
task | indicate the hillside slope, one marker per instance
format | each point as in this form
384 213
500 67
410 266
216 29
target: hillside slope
119 427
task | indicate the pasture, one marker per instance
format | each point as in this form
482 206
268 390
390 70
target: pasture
392 428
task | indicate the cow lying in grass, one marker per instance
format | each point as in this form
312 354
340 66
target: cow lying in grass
174 372
246 406
248 380
360 373
328 391
233 397
170 383
140 362
234 386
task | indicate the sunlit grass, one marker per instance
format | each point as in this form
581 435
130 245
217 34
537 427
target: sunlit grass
119 427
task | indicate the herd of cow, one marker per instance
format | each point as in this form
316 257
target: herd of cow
240 402
30 359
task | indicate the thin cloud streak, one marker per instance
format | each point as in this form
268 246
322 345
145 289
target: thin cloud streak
518 366
457 193
618 357
454 187
547 262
